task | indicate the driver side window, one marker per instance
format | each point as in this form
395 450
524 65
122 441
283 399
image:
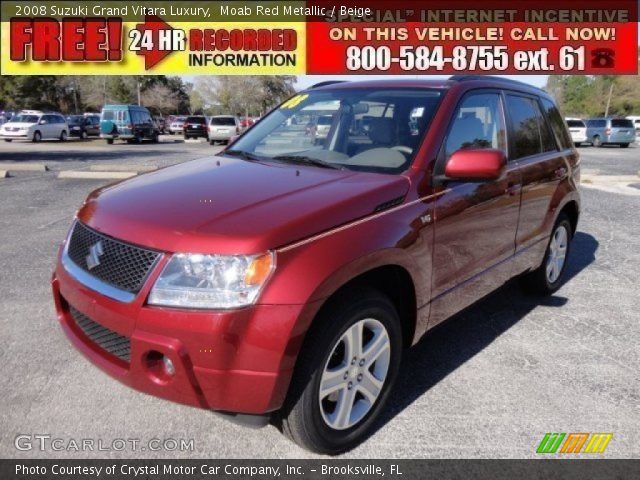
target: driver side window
478 124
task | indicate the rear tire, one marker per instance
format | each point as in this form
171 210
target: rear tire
109 141
597 141
548 277
358 333
8 140
624 145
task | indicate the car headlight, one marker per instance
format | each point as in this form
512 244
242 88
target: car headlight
75 128
212 281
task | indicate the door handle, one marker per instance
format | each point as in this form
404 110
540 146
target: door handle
560 173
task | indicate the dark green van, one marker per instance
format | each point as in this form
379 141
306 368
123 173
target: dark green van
132 123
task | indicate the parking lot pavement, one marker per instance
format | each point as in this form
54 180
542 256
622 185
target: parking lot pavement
487 383
611 160
77 154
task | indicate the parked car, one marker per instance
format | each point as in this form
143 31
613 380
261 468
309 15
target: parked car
132 123
295 294
176 126
636 121
161 124
245 122
610 131
323 125
222 128
84 126
195 127
35 125
578 130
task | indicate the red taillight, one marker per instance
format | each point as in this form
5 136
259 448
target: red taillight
184 125
237 130
130 127
607 131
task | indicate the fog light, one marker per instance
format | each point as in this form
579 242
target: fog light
168 366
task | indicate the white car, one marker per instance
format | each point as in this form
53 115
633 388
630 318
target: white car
578 130
177 126
35 126
636 122
222 128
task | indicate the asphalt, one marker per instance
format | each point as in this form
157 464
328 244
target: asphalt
488 383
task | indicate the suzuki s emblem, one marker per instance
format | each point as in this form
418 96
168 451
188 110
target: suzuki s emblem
95 252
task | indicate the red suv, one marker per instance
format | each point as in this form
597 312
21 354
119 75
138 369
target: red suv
282 279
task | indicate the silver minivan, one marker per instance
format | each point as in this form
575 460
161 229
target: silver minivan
610 131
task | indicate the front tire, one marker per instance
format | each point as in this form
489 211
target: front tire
548 277
37 137
345 372
63 136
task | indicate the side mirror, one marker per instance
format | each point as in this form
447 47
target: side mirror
42 122
476 165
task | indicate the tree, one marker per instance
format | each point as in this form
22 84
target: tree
240 95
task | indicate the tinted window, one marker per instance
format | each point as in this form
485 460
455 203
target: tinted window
477 124
523 113
558 126
574 123
75 120
326 120
223 121
196 120
548 142
59 119
597 123
25 119
621 123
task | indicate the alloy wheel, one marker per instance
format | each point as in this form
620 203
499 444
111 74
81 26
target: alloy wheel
354 374
557 253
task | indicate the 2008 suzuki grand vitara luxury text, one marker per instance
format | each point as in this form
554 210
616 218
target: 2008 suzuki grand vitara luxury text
283 278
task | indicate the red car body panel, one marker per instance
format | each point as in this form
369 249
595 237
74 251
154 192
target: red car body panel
457 242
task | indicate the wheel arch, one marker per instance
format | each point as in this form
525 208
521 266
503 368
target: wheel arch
393 280
572 211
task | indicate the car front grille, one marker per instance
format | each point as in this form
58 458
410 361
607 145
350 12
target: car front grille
108 340
121 265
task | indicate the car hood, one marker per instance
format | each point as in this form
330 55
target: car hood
227 205
18 124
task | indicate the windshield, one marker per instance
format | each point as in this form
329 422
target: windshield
25 119
179 119
75 120
575 123
376 130
223 121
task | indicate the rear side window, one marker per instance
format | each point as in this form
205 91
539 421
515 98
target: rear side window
223 121
571 123
558 126
478 124
621 123
523 113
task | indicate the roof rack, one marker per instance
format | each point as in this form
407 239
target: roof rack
508 81
328 82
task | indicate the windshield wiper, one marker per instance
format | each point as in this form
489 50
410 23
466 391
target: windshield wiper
307 161
244 155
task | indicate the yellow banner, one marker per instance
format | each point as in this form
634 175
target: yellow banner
203 48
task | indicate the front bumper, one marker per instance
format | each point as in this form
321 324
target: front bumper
237 361
13 135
